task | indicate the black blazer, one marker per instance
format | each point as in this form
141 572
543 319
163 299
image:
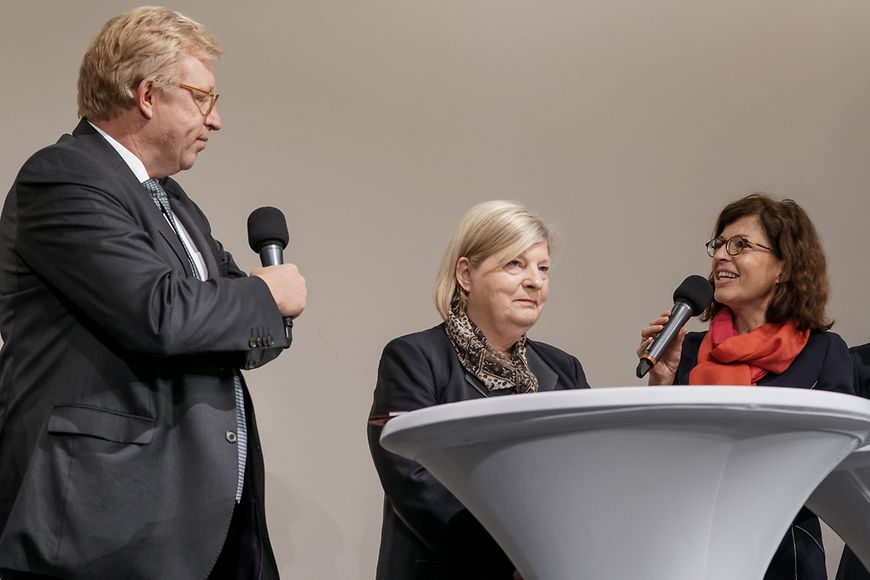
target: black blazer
851 567
116 376
426 532
823 364
861 364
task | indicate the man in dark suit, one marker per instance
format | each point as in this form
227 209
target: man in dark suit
861 365
128 444
851 567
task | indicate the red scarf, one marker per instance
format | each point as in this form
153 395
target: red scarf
728 358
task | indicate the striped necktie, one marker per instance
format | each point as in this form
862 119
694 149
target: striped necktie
158 194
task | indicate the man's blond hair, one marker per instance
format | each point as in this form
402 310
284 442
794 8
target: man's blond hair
144 43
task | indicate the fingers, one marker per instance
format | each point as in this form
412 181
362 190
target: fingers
644 344
655 326
653 329
649 332
287 286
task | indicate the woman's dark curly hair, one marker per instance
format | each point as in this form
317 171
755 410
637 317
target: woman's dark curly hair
802 292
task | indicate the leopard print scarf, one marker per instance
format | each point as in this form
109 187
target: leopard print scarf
494 369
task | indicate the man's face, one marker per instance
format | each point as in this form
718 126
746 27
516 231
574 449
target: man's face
179 127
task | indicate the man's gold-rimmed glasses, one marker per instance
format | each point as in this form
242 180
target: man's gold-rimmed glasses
205 100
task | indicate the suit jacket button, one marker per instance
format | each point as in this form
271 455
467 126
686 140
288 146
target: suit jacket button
253 342
269 341
231 437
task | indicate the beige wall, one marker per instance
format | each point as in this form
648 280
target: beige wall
375 123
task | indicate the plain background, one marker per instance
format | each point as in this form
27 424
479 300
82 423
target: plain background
374 124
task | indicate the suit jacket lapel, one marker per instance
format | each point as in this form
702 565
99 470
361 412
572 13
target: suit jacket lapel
169 234
175 243
196 235
547 377
474 383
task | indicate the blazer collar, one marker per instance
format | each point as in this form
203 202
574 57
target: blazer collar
86 135
84 128
547 377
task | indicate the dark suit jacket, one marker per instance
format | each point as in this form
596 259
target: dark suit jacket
116 376
851 567
426 532
823 365
861 364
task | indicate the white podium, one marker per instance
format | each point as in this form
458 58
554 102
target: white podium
843 501
664 483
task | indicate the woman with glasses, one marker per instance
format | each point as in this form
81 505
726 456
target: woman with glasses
767 328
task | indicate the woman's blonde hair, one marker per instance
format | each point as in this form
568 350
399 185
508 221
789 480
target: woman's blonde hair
144 43
491 228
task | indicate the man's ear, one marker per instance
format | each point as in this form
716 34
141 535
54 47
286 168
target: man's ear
144 98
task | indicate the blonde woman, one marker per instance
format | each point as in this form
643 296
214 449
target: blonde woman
490 290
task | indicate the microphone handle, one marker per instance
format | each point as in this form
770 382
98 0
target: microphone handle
680 314
272 254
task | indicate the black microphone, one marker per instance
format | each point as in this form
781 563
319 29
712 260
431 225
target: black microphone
267 235
690 299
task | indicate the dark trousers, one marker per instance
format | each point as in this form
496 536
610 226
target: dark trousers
241 558
851 567
800 555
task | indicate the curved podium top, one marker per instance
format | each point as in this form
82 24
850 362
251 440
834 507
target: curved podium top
456 424
662 483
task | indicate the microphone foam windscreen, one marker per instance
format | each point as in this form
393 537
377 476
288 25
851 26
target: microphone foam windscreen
696 291
267 225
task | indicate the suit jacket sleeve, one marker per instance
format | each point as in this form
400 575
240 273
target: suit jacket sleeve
81 229
406 381
861 363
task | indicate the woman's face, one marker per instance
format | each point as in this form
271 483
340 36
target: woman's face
506 299
746 282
